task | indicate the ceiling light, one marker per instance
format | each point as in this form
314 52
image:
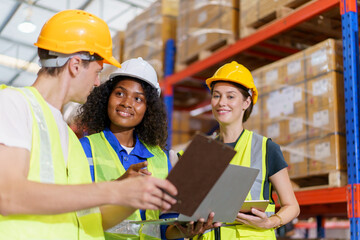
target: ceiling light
26 27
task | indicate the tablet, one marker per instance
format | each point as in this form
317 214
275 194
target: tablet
258 204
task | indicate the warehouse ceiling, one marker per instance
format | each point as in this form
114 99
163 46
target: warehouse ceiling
18 55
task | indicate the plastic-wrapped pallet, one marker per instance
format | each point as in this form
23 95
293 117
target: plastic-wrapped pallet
256 13
146 34
302 109
205 25
117 52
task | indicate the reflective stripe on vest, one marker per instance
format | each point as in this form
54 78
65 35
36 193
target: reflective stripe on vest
126 228
47 165
45 158
256 162
107 167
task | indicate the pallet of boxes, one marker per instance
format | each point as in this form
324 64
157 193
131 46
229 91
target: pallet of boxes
147 33
301 107
205 27
255 14
117 52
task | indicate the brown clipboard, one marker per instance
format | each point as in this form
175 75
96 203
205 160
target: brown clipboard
198 169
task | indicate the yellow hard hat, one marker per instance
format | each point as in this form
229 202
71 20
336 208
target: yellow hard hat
72 31
237 73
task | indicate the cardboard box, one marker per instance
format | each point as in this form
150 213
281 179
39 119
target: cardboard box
326 90
326 106
297 127
323 58
297 158
205 26
256 13
257 75
146 34
118 46
287 129
271 77
284 102
325 120
293 68
180 127
277 131
118 53
327 153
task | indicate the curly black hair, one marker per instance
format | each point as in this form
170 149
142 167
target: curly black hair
93 117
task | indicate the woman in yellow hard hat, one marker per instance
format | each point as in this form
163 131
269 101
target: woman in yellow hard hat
233 94
45 185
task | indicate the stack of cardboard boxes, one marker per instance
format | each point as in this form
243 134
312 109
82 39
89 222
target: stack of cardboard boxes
256 13
205 25
302 109
117 52
147 33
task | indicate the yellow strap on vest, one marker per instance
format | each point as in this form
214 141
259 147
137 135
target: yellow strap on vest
107 167
47 165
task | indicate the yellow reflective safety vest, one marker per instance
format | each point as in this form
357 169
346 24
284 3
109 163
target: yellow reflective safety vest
107 167
250 152
47 165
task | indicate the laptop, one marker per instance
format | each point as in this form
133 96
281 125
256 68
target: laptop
197 171
224 199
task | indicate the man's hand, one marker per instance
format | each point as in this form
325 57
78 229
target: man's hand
138 169
144 192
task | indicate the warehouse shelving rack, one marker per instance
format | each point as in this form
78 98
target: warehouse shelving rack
338 201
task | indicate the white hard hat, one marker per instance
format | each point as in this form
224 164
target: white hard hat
140 69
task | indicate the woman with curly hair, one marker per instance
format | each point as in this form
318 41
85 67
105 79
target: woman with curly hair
128 125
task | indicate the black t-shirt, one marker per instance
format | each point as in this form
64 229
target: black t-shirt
274 157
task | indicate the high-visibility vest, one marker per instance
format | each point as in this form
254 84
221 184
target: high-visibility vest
250 152
47 165
107 167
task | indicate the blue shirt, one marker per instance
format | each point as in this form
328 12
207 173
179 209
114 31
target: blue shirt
139 154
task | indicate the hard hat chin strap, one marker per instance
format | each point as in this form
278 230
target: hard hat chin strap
63 58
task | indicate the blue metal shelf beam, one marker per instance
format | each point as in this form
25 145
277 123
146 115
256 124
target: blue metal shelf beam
168 94
350 33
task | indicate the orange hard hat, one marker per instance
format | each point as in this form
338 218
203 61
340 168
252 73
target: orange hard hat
237 73
72 31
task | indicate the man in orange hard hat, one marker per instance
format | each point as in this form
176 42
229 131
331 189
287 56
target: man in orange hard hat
45 183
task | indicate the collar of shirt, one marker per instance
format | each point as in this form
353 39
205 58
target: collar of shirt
139 150
233 144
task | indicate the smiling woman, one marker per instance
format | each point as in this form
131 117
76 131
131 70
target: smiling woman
233 94
127 122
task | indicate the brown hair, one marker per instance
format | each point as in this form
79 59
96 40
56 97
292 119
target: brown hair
53 71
